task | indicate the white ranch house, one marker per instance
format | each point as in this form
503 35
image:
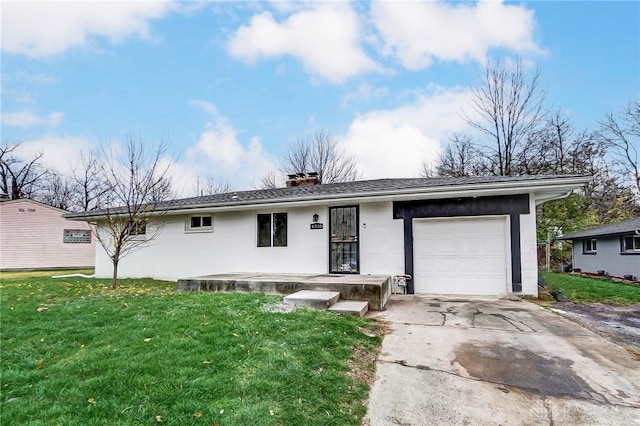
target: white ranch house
471 236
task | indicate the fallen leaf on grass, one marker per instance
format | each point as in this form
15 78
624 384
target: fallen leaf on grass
42 308
158 419
197 414
222 411
147 340
271 412
91 400
206 362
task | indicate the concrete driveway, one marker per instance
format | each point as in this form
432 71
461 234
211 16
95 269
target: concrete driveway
497 362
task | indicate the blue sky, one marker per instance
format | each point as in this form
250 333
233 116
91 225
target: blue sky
230 84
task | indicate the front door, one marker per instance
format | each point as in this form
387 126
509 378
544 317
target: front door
344 243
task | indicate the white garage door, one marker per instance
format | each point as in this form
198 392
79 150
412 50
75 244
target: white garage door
460 256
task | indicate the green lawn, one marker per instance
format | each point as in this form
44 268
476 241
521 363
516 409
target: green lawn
75 352
582 289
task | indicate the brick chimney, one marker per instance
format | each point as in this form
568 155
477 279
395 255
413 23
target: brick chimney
302 179
292 180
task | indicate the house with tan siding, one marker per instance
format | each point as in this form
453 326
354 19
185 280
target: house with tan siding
36 236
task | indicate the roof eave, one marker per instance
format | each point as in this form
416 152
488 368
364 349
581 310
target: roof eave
558 187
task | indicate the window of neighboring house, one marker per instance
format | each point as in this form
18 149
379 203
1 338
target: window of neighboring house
200 224
77 236
139 227
272 230
589 246
631 243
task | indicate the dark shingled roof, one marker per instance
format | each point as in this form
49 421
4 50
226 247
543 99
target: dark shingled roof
624 227
315 192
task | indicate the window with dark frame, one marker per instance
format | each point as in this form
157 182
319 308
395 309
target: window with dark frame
139 227
631 243
589 246
200 223
272 229
77 236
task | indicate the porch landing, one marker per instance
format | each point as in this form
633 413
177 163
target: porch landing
375 289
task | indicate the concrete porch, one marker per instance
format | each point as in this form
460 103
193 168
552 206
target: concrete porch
375 289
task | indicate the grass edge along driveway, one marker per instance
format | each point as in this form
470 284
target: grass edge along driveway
581 289
74 352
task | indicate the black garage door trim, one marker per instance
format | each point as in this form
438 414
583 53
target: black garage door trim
512 205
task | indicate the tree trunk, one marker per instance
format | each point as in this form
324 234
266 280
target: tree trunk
114 280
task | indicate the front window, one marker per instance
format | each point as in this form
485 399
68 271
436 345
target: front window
631 243
139 227
589 246
200 223
77 236
272 230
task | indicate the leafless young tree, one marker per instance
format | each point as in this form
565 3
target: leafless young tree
320 153
137 183
508 108
19 178
622 134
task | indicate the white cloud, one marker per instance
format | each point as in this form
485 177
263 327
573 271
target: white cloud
28 118
364 93
206 106
325 38
417 33
60 153
41 29
219 152
395 143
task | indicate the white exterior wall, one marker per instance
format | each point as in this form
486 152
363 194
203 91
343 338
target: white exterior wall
232 246
381 240
32 237
529 249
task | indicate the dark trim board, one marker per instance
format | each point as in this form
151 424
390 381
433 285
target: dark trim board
513 205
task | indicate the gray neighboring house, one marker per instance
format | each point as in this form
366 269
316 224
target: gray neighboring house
613 248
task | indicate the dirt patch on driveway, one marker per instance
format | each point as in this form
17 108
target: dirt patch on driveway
619 324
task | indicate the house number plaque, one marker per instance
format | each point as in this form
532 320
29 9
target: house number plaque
316 226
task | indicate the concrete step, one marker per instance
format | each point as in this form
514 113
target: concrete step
350 307
312 299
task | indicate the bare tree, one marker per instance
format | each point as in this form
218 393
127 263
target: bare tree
460 158
271 180
89 183
622 134
137 182
58 191
509 108
211 185
19 178
320 154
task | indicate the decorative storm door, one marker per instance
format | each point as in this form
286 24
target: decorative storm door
344 243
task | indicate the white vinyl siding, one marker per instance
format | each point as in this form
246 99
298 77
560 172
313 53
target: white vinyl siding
32 236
